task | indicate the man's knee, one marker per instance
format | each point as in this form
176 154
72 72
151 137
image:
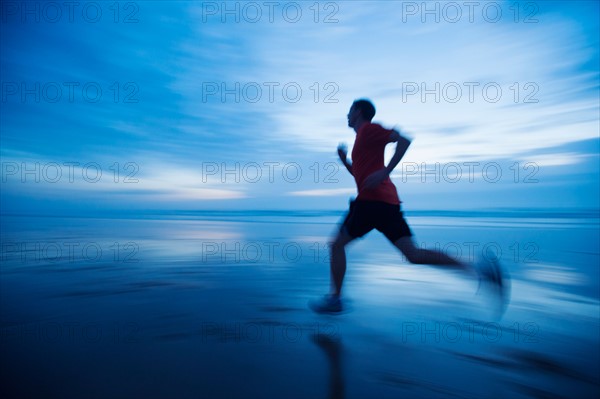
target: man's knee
409 250
340 241
337 244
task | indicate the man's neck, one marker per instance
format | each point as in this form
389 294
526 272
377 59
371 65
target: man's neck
360 124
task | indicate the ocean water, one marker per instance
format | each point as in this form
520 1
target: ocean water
213 304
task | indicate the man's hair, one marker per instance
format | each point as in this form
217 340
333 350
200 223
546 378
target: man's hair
366 107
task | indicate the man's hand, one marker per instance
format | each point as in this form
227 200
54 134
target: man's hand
375 179
342 152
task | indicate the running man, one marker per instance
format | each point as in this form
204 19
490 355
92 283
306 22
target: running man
377 206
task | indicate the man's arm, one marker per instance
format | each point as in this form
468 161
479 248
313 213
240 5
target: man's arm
343 154
402 144
377 177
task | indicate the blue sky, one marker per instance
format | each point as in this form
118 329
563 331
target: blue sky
207 105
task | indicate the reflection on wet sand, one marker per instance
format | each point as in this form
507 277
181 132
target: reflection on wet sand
333 350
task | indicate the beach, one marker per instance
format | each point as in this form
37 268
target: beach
214 305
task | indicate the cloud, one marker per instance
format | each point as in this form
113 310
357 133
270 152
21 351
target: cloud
308 72
323 192
34 176
537 78
560 159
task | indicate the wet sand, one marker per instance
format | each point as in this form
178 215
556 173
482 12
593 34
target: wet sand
215 306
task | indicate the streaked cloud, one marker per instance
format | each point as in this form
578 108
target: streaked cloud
323 192
177 55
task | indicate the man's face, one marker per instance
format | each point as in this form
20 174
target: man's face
352 116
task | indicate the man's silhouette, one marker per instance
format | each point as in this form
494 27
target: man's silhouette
377 206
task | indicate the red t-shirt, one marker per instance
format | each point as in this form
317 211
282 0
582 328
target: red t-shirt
367 157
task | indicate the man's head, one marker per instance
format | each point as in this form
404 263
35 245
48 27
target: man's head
361 111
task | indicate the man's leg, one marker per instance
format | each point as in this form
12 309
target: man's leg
425 256
492 273
338 260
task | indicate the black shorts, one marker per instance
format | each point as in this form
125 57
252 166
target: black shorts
365 216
